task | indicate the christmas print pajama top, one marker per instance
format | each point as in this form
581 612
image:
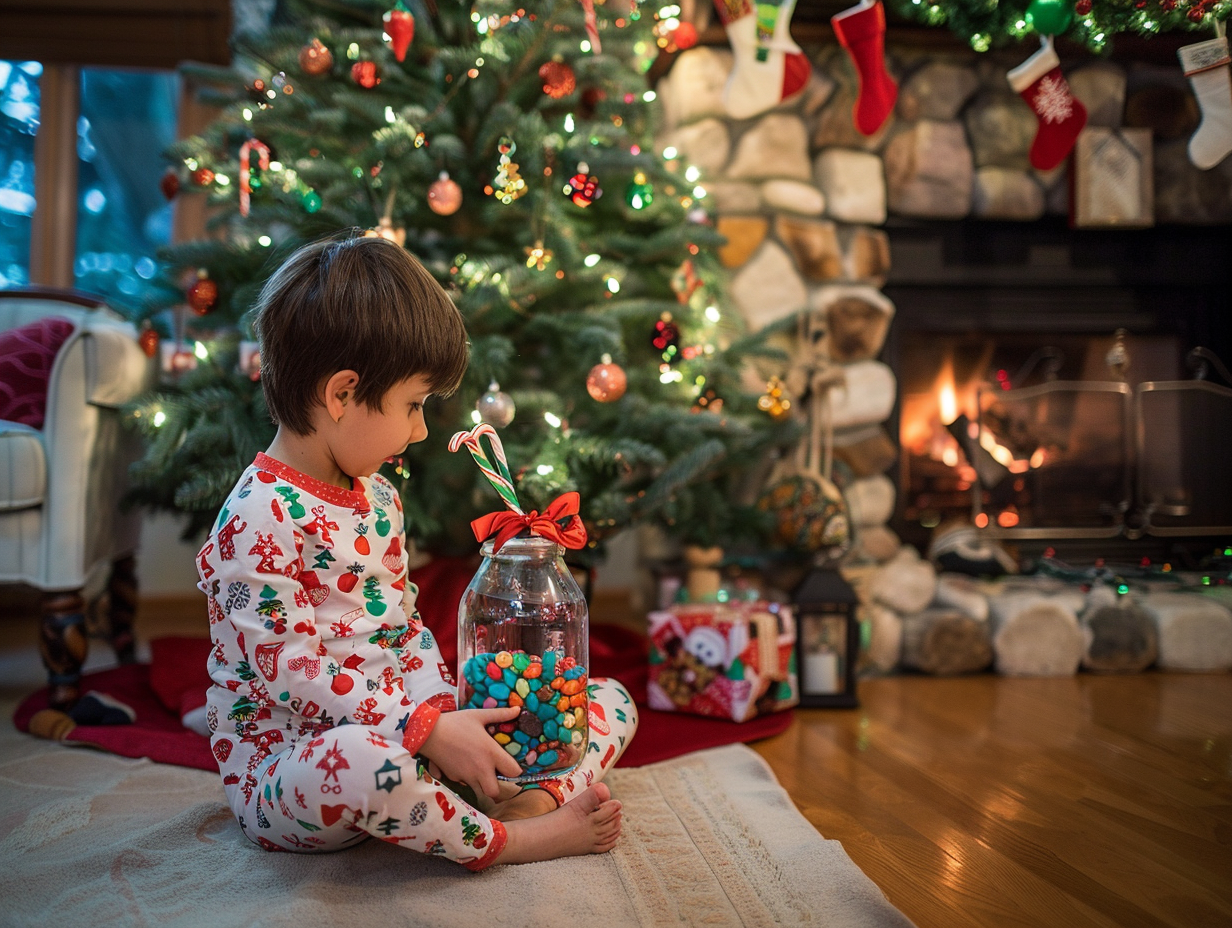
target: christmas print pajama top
326 683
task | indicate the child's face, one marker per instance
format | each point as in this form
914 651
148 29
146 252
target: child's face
365 437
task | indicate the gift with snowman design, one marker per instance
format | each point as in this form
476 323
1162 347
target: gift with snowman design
728 660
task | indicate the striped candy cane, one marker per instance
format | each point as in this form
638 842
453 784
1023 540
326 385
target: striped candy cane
592 26
498 474
263 158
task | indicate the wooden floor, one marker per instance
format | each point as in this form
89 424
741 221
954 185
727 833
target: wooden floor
990 801
1089 800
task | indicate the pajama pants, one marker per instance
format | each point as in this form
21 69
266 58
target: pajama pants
346 784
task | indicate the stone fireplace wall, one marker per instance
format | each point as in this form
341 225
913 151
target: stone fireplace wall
803 199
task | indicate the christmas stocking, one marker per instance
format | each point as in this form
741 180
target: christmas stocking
1206 66
770 67
861 30
1040 82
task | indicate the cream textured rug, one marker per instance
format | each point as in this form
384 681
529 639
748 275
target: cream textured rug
711 839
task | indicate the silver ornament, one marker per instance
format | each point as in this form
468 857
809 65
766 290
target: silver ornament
496 407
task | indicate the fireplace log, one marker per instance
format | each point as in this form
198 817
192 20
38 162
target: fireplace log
1035 635
1121 635
1195 633
905 583
885 638
962 593
945 642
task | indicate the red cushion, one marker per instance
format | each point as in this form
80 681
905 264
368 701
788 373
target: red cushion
26 356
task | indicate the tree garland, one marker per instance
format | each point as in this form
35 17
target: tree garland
985 24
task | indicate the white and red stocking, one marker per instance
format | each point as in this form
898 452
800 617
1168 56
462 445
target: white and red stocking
1040 82
1206 66
770 67
861 30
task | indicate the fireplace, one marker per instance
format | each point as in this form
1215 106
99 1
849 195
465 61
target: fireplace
1044 390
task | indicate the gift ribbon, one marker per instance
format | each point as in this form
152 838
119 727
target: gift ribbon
501 526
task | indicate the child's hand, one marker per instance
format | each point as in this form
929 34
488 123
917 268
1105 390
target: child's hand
461 746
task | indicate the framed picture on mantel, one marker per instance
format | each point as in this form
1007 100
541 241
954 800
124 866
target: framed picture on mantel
1113 179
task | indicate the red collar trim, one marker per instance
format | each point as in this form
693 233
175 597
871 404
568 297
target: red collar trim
352 499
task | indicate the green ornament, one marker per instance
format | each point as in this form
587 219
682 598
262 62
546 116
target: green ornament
640 192
1050 17
311 201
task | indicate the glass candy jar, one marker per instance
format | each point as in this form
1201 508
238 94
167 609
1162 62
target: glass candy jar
523 640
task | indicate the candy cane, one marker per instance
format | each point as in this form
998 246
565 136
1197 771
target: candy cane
592 25
497 475
263 157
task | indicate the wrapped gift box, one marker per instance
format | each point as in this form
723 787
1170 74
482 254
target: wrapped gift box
727 660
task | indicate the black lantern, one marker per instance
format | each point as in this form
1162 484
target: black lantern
827 640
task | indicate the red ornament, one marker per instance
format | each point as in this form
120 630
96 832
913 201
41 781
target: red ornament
444 196
591 98
666 333
1082 7
583 187
365 74
203 177
606 382
183 360
558 79
170 184
400 27
148 340
685 36
203 294
315 59
1196 14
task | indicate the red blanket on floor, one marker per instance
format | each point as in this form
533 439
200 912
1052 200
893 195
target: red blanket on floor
156 691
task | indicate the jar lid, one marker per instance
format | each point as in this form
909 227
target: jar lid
525 546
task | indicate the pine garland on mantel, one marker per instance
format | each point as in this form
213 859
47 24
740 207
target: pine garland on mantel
986 24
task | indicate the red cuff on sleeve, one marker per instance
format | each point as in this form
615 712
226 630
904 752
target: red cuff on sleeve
495 846
446 702
419 726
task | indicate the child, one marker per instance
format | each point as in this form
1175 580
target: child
331 713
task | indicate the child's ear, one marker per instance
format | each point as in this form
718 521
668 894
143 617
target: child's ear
338 392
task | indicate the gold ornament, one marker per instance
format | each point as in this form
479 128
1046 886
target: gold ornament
538 257
775 402
385 229
509 184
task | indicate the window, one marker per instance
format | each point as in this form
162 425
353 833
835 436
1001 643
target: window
19 121
127 119
123 121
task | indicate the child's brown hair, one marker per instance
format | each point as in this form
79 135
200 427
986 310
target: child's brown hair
356 303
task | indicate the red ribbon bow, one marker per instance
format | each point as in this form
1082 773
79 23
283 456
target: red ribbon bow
503 525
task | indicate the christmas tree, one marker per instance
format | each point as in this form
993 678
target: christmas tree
509 148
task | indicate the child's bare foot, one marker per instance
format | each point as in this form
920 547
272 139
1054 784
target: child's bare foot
590 824
526 803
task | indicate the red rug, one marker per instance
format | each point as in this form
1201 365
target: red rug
156 691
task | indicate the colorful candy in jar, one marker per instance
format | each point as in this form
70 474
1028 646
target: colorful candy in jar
550 734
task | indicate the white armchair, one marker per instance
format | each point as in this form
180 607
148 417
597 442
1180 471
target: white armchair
62 530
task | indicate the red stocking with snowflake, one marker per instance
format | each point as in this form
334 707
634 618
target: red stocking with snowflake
861 30
770 67
1040 82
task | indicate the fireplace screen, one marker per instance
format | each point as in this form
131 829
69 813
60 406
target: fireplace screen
1069 445
1054 459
